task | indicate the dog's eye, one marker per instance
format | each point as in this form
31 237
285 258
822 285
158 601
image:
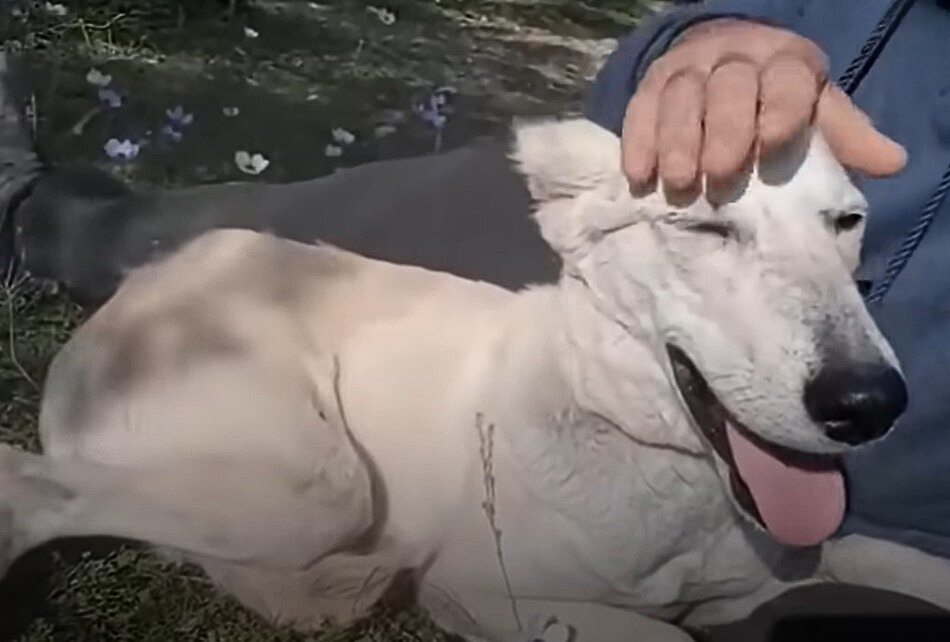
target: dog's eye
848 222
722 230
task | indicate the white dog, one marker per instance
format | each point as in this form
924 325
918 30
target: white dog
653 438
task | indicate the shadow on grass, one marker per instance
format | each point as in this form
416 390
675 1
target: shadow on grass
26 590
105 590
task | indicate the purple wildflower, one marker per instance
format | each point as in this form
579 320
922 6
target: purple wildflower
178 116
110 97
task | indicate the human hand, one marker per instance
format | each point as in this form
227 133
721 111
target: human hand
731 88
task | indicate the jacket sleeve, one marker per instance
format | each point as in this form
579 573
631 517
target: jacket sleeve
617 80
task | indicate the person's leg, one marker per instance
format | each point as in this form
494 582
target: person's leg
836 611
464 211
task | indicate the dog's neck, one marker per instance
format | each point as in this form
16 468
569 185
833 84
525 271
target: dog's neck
588 422
616 370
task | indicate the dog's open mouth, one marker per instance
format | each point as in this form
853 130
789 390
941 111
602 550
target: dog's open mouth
798 497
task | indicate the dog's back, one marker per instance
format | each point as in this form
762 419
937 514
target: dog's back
237 299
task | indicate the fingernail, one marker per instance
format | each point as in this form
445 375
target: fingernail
638 171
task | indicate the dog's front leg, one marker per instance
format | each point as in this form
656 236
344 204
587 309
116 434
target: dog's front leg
492 619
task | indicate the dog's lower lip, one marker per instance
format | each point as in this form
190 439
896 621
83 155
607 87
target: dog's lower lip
744 496
708 413
711 417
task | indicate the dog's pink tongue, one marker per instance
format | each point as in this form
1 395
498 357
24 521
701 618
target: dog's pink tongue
799 507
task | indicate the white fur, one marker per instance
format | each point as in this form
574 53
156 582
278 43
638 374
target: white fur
305 422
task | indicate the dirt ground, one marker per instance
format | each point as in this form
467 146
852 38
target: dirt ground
311 87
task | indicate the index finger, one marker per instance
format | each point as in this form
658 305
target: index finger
853 139
639 136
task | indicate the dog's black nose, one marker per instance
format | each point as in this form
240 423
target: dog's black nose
856 405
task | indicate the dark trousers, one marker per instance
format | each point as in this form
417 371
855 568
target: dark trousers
464 212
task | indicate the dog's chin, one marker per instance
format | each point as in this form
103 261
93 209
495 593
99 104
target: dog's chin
752 467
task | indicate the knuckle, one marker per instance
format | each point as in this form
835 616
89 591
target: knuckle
734 67
678 163
638 166
727 130
790 88
777 130
684 92
641 109
637 173
678 181
656 74
788 65
687 76
792 61
733 93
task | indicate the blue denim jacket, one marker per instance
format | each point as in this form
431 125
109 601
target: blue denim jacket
899 487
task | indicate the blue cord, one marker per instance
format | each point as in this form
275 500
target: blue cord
849 81
859 67
912 240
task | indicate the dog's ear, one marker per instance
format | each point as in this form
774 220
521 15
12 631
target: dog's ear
572 170
564 158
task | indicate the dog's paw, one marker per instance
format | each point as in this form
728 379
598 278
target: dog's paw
11 489
11 463
545 630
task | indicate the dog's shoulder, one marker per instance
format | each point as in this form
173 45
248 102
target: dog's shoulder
228 263
259 288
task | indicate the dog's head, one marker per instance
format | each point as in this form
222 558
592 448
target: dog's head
749 306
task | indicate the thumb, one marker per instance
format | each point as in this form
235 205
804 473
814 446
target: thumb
852 136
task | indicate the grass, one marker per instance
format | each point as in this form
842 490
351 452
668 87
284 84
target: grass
127 595
312 67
